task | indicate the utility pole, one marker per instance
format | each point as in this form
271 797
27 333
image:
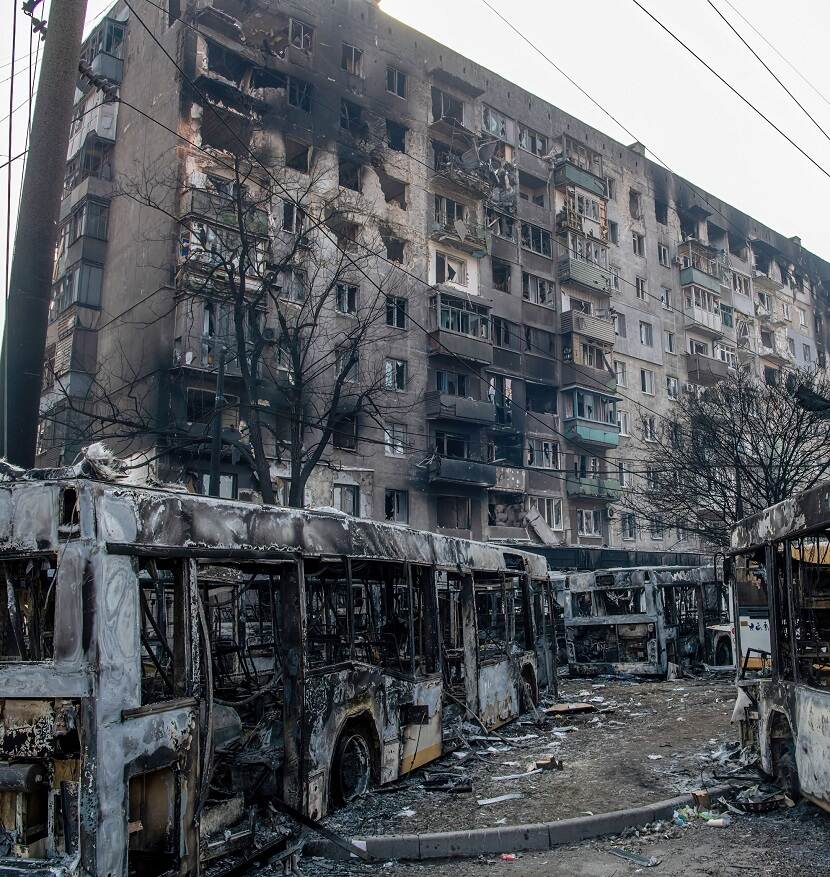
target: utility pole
218 410
30 288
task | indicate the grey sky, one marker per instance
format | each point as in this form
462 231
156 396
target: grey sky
658 91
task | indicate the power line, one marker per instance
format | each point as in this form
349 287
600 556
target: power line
730 87
777 52
768 69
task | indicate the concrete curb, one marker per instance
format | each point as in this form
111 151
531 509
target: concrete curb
513 838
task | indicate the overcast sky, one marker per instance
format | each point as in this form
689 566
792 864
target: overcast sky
639 74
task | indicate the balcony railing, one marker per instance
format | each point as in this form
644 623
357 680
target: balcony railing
694 276
704 370
449 470
589 326
566 174
448 343
587 274
594 432
447 407
469 237
593 487
703 320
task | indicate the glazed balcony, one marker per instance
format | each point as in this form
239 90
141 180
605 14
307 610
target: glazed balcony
568 174
593 487
701 320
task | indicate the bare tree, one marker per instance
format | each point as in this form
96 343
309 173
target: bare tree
730 450
285 279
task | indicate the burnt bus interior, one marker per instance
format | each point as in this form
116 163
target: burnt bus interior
640 620
226 679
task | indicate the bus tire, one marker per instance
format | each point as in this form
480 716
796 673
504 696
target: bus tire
785 767
351 769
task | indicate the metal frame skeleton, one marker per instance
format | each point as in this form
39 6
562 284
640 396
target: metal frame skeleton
785 552
641 620
172 661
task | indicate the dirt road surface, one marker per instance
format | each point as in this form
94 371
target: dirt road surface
647 741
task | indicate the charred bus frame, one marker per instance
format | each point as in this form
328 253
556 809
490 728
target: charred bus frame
784 552
169 661
641 620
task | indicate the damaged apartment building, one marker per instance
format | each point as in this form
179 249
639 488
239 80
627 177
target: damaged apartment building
562 291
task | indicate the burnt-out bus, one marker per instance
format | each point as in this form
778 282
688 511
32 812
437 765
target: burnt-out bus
640 620
170 662
784 552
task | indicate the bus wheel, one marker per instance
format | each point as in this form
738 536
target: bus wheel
528 692
785 767
723 652
351 768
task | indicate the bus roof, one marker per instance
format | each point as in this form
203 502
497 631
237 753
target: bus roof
166 522
796 515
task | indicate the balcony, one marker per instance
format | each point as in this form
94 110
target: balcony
589 326
449 168
447 343
448 470
707 322
99 122
777 353
541 422
569 219
465 236
765 283
594 379
592 432
109 67
593 487
446 407
586 274
694 276
221 209
704 370
510 479
568 174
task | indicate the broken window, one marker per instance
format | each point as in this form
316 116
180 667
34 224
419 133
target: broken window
351 60
505 334
344 435
346 298
495 123
163 627
448 211
549 507
463 317
27 612
395 436
533 141
537 289
351 117
450 269
395 249
396 312
620 601
638 244
635 206
296 155
453 445
536 239
293 218
661 211
293 285
445 106
226 63
588 522
350 174
394 190
453 512
501 272
500 224
540 398
395 374
300 94
542 453
396 506
451 383
395 136
395 82
300 34
346 498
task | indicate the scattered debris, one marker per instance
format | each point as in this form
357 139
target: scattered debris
643 862
511 796
519 776
569 709
549 762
